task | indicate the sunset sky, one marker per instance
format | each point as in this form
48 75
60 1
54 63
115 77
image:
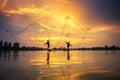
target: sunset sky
84 23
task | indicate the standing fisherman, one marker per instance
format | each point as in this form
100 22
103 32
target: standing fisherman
68 45
48 44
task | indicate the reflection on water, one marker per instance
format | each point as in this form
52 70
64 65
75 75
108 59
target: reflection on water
59 65
68 55
48 56
9 55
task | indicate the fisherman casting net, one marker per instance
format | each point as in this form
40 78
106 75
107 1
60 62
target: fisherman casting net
39 33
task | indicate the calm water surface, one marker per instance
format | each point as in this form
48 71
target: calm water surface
60 65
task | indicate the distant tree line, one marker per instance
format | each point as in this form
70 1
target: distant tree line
101 48
107 48
4 45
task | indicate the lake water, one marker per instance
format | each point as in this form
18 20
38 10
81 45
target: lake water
60 65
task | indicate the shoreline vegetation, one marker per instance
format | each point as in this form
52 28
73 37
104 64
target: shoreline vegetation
16 46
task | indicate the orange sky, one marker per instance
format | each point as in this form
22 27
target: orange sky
59 20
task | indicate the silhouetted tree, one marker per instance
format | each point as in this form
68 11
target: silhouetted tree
16 45
9 45
106 47
5 46
113 47
1 44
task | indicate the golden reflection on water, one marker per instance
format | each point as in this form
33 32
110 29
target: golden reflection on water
60 65
58 58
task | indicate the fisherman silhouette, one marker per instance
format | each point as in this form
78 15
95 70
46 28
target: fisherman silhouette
48 44
68 45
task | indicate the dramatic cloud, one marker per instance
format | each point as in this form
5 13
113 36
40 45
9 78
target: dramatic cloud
83 22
